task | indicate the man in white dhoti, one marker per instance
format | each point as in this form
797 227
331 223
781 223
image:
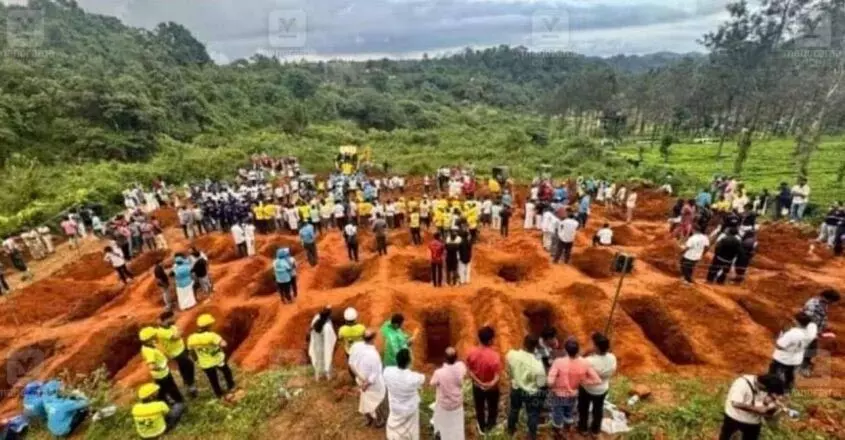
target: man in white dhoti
365 363
249 235
185 297
448 418
321 343
530 208
403 396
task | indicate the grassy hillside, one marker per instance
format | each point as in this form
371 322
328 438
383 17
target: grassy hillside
769 163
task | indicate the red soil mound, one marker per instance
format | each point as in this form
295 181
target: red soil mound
146 261
785 243
167 217
220 248
113 346
627 235
24 361
47 299
664 256
651 206
787 291
268 245
88 306
88 267
595 262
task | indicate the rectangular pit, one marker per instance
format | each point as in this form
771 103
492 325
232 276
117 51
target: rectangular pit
661 329
540 315
437 329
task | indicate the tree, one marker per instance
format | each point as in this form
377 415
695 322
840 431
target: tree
743 144
665 144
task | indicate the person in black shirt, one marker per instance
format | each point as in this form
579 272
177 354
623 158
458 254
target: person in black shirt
731 220
728 248
200 271
783 201
464 257
163 283
743 260
506 217
827 232
748 222
705 214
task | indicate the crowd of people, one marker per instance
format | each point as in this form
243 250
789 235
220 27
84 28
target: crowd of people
550 376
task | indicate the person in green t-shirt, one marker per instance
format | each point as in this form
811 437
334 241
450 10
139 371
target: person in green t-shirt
395 338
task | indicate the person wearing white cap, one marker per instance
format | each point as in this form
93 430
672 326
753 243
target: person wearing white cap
349 333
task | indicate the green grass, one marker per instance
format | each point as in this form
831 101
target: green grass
769 163
680 408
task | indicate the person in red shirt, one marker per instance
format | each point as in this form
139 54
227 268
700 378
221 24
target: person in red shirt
485 365
437 249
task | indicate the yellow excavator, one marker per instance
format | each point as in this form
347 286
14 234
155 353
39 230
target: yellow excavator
347 159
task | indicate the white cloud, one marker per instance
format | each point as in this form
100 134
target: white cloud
402 28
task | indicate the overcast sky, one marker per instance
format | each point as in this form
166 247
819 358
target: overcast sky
359 29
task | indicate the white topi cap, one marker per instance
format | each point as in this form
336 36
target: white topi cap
350 314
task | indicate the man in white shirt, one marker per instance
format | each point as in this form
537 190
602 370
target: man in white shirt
350 234
239 236
365 363
566 231
549 226
694 250
604 236
448 417
403 395
591 397
750 399
790 347
800 197
339 212
486 212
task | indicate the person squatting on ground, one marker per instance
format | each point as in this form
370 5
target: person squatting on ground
817 308
448 417
283 272
750 400
157 364
485 366
207 347
170 340
321 343
152 416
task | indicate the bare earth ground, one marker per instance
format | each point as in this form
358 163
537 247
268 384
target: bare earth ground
79 317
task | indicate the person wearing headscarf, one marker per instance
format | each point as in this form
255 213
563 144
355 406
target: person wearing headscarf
321 343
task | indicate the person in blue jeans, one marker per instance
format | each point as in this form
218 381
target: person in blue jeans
527 379
308 237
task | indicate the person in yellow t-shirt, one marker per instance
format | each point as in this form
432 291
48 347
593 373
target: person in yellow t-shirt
455 203
304 212
156 362
401 209
413 205
208 348
269 216
365 210
494 187
152 416
472 222
414 223
170 340
349 333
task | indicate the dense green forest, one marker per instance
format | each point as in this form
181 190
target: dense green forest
92 104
